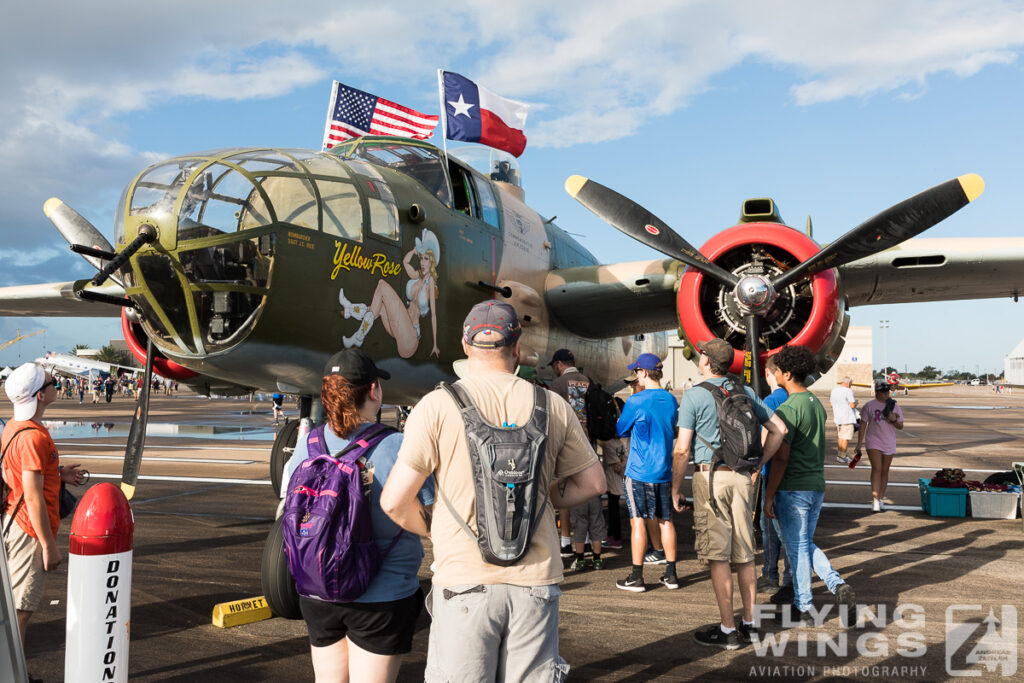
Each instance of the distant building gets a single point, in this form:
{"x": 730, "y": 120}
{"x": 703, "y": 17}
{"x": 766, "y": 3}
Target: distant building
{"x": 854, "y": 360}
{"x": 1013, "y": 365}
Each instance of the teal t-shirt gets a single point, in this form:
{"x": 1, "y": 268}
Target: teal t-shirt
{"x": 699, "y": 413}
{"x": 804, "y": 417}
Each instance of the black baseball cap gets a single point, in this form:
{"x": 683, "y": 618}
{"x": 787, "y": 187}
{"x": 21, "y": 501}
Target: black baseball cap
{"x": 883, "y": 386}
{"x": 497, "y": 320}
{"x": 355, "y": 366}
{"x": 564, "y": 355}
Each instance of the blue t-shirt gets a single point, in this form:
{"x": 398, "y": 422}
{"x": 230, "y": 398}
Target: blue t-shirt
{"x": 698, "y": 412}
{"x": 398, "y": 576}
{"x": 648, "y": 419}
{"x": 773, "y": 401}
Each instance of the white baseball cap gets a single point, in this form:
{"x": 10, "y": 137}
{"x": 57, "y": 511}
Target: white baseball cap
{"x": 22, "y": 386}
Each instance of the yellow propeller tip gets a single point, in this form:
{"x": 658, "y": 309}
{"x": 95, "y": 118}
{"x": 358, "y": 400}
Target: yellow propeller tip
{"x": 574, "y": 183}
{"x": 128, "y": 490}
{"x": 51, "y": 205}
{"x": 972, "y": 185}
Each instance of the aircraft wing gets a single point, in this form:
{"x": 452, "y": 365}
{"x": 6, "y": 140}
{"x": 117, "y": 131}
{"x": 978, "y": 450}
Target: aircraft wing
{"x": 58, "y": 299}
{"x": 602, "y": 301}
{"x": 940, "y": 269}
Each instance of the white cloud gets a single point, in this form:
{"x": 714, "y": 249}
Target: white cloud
{"x": 593, "y": 71}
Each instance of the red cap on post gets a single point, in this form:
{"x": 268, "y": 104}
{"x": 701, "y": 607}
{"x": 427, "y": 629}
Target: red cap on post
{"x": 103, "y": 523}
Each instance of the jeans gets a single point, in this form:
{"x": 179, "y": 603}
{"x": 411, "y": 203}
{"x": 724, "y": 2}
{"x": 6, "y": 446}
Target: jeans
{"x": 797, "y": 513}
{"x": 771, "y": 540}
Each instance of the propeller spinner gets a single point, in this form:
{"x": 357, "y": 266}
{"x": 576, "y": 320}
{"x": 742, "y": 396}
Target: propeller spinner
{"x": 756, "y": 296}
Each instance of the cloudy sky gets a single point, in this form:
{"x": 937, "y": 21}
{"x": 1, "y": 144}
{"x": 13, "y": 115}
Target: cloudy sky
{"x": 836, "y": 110}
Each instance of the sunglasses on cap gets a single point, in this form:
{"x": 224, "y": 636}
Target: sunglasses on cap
{"x": 49, "y": 383}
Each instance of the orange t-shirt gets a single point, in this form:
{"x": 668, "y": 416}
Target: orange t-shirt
{"x": 32, "y": 450}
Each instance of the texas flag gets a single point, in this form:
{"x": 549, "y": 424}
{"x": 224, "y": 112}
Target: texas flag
{"x": 475, "y": 114}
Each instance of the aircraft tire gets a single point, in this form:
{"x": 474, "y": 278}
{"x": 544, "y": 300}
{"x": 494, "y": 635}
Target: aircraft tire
{"x": 278, "y": 585}
{"x": 284, "y": 446}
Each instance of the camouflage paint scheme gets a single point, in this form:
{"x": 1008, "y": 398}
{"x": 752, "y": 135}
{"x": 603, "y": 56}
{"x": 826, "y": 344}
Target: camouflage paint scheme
{"x": 262, "y": 253}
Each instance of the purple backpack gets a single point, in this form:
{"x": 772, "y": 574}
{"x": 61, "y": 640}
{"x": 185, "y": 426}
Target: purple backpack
{"x": 328, "y": 532}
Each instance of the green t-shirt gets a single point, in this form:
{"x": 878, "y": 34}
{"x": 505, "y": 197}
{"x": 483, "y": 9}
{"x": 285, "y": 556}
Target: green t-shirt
{"x": 804, "y": 417}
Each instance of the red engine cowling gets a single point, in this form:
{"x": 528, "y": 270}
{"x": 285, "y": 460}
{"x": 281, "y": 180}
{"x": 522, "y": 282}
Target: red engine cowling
{"x": 810, "y": 313}
{"x": 165, "y": 367}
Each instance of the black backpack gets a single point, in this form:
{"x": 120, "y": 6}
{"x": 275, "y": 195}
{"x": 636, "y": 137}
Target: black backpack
{"x": 506, "y": 463}
{"x": 739, "y": 431}
{"x": 602, "y": 413}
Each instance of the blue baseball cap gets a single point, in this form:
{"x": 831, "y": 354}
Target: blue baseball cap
{"x": 646, "y": 361}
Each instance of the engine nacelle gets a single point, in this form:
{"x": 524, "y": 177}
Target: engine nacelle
{"x": 810, "y": 313}
{"x": 163, "y": 366}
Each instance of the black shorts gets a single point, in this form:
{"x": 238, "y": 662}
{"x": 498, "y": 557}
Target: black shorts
{"x": 383, "y": 628}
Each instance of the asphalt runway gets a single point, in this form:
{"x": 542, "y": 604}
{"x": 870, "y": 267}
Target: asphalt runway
{"x": 204, "y": 505}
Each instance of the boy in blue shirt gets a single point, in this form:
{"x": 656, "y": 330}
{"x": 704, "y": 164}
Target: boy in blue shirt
{"x": 649, "y": 419}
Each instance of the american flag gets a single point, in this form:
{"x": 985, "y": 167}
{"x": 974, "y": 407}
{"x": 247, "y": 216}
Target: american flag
{"x": 353, "y": 113}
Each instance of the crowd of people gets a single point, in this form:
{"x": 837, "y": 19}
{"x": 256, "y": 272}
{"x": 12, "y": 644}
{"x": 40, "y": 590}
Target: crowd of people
{"x": 497, "y": 566}
{"x": 494, "y": 620}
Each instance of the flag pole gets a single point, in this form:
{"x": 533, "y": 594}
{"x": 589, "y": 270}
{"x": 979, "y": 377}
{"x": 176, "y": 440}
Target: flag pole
{"x": 330, "y": 115}
{"x": 444, "y": 136}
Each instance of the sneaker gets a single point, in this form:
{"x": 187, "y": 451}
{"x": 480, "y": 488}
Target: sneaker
{"x": 876, "y": 505}
{"x": 598, "y": 563}
{"x": 881, "y": 505}
{"x": 669, "y": 582}
{"x": 845, "y": 459}
{"x": 567, "y": 550}
{"x": 796, "y": 619}
{"x": 578, "y": 565}
{"x": 655, "y": 557}
{"x": 713, "y": 636}
{"x": 846, "y": 596}
{"x": 764, "y": 584}
{"x": 629, "y": 583}
{"x": 613, "y": 543}
{"x": 747, "y": 634}
{"x": 783, "y": 596}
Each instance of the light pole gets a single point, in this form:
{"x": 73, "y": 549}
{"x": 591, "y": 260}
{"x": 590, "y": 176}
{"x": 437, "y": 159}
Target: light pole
{"x": 884, "y": 324}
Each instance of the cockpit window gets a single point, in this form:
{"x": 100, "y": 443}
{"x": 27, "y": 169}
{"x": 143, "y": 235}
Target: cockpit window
{"x": 421, "y": 163}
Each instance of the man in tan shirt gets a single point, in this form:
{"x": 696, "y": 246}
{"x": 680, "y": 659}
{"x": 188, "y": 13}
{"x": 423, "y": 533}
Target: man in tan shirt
{"x": 490, "y": 622}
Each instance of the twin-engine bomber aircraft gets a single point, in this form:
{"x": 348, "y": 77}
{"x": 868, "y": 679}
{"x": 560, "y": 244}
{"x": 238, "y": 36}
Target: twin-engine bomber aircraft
{"x": 245, "y": 269}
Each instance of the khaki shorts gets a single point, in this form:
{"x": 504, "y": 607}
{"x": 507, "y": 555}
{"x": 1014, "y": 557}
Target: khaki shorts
{"x": 25, "y": 565}
{"x": 845, "y": 432}
{"x": 729, "y": 535}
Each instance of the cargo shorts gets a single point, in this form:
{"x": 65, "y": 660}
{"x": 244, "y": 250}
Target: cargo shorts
{"x": 25, "y": 566}
{"x": 478, "y": 631}
{"x": 729, "y": 535}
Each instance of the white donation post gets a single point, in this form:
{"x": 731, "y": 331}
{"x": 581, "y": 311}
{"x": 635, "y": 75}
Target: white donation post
{"x": 99, "y": 587}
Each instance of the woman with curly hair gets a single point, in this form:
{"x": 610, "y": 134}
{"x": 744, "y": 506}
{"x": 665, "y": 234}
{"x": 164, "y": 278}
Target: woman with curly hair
{"x": 364, "y": 640}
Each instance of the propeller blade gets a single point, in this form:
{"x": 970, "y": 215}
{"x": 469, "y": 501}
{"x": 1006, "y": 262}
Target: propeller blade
{"x": 628, "y": 217}
{"x": 77, "y": 230}
{"x": 894, "y": 225}
{"x": 137, "y": 432}
{"x": 753, "y": 374}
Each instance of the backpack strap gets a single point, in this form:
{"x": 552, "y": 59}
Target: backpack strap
{"x": 716, "y": 459}
{"x": 22, "y": 498}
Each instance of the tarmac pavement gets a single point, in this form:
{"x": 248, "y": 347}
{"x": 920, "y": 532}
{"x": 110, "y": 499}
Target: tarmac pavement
{"x": 204, "y": 505}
